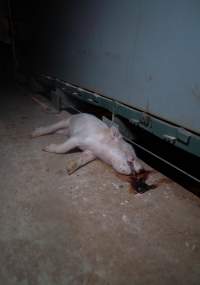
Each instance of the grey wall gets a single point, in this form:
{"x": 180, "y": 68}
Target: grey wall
{"x": 143, "y": 53}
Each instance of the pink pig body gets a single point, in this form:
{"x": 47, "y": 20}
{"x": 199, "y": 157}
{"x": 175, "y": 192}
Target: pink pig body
{"x": 96, "y": 140}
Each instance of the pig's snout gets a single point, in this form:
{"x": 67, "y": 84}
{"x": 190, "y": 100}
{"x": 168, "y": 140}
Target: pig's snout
{"x": 129, "y": 168}
{"x": 123, "y": 168}
{"x": 136, "y": 166}
{"x": 125, "y": 171}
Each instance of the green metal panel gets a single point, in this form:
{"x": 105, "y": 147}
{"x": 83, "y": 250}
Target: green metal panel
{"x": 174, "y": 134}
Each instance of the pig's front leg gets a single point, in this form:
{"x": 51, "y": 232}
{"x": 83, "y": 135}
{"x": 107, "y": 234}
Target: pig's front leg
{"x": 62, "y": 148}
{"x": 85, "y": 157}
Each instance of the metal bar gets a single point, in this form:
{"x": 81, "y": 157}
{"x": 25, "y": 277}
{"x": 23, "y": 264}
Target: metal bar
{"x": 165, "y": 161}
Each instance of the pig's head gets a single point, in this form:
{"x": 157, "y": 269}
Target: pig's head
{"x": 131, "y": 157}
{"x": 121, "y": 166}
{"x": 124, "y": 159}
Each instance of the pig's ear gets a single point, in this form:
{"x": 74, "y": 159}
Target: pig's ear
{"x": 115, "y": 132}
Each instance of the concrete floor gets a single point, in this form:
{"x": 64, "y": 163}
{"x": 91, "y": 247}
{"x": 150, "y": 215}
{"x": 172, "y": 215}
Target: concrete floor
{"x": 86, "y": 228}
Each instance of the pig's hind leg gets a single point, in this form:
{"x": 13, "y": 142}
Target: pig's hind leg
{"x": 62, "y": 132}
{"x": 60, "y": 126}
{"x": 62, "y": 148}
{"x": 85, "y": 157}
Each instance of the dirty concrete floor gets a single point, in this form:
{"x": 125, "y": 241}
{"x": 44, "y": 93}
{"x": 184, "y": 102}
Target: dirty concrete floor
{"x": 85, "y": 228}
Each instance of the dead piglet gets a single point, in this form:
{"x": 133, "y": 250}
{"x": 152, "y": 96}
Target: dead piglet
{"x": 96, "y": 140}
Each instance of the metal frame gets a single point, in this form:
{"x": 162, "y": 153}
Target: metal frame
{"x": 173, "y": 134}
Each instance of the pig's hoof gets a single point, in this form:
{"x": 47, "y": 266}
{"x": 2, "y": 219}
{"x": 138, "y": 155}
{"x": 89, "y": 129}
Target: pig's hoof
{"x": 72, "y": 167}
{"x": 50, "y": 148}
{"x": 36, "y": 133}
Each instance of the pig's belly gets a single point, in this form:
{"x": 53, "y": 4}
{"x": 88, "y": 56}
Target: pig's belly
{"x": 85, "y": 125}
